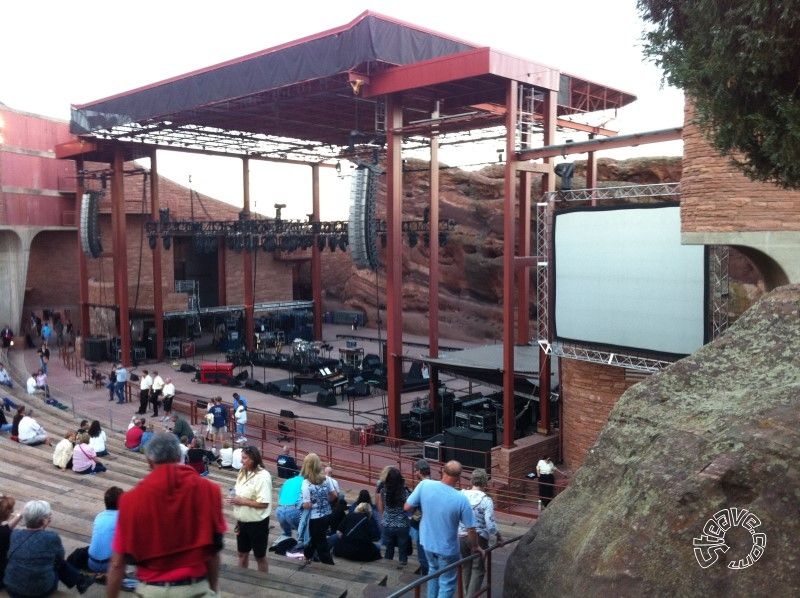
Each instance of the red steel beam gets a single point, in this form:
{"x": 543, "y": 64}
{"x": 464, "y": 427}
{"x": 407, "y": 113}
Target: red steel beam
{"x": 158, "y": 291}
{"x": 594, "y": 145}
{"x": 316, "y": 257}
{"x": 119, "y": 225}
{"x": 394, "y": 264}
{"x": 509, "y": 199}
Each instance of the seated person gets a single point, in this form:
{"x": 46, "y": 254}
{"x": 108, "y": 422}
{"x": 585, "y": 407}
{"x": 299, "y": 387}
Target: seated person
{"x": 62, "y": 454}
{"x": 84, "y": 457}
{"x": 198, "y": 458}
{"x": 30, "y": 432}
{"x": 30, "y": 384}
{"x": 146, "y": 436}
{"x": 5, "y": 379}
{"x": 184, "y": 446}
{"x": 98, "y": 439}
{"x": 105, "y": 523}
{"x": 133, "y": 437}
{"x": 353, "y": 539}
{"x": 236, "y": 459}
{"x": 180, "y": 427}
{"x": 287, "y": 466}
{"x": 5, "y": 425}
{"x": 15, "y": 422}
{"x": 225, "y": 458}
{"x": 41, "y": 383}
{"x": 288, "y": 511}
{"x": 36, "y": 557}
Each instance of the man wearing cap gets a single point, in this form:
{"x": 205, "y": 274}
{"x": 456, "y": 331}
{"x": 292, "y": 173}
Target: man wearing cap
{"x": 444, "y": 507}
{"x": 423, "y": 471}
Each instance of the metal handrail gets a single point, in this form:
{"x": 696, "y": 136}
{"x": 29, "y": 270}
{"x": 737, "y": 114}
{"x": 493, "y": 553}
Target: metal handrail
{"x": 487, "y": 589}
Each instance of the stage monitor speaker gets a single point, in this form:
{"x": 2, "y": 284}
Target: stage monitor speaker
{"x": 287, "y": 413}
{"x": 326, "y": 398}
{"x": 470, "y": 447}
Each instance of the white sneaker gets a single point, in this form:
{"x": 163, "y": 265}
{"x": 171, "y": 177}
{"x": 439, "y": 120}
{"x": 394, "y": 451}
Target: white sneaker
{"x": 241, "y": 440}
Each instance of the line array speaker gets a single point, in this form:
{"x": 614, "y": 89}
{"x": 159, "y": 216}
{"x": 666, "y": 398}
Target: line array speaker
{"x": 89, "y": 226}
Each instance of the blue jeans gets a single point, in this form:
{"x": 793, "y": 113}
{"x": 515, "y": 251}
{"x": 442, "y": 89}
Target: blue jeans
{"x": 413, "y": 532}
{"x": 443, "y": 586}
{"x": 395, "y": 536}
{"x": 288, "y": 518}
{"x": 119, "y": 390}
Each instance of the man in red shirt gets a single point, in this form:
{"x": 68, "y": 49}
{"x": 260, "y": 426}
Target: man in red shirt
{"x": 182, "y": 557}
{"x": 133, "y": 437}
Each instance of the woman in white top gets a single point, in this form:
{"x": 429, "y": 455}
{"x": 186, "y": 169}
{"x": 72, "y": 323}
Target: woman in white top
{"x": 545, "y": 470}
{"x": 252, "y": 505}
{"x": 97, "y": 439}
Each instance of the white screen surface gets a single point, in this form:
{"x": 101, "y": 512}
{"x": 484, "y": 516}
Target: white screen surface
{"x": 622, "y": 279}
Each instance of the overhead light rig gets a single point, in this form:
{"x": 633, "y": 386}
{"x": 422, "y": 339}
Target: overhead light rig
{"x": 277, "y": 235}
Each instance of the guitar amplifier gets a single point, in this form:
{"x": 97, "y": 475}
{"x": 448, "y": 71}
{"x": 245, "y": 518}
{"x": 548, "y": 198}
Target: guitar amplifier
{"x": 461, "y": 419}
{"x": 485, "y": 421}
{"x": 433, "y": 449}
{"x": 418, "y": 429}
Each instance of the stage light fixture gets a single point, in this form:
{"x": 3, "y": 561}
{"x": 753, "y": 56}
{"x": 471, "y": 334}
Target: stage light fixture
{"x": 412, "y": 239}
{"x": 152, "y": 241}
{"x": 343, "y": 242}
{"x": 321, "y": 242}
{"x": 167, "y": 242}
{"x": 332, "y": 243}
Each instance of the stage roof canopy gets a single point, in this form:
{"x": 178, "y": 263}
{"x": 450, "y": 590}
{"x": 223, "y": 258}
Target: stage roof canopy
{"x": 321, "y": 98}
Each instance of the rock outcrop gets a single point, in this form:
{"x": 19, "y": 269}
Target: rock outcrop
{"x": 471, "y": 262}
{"x": 716, "y": 431}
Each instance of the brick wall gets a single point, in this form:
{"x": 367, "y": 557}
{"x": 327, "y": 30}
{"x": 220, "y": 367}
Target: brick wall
{"x": 52, "y": 281}
{"x": 588, "y": 392}
{"x": 715, "y": 197}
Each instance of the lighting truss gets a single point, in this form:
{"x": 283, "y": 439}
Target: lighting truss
{"x": 621, "y": 360}
{"x": 607, "y": 193}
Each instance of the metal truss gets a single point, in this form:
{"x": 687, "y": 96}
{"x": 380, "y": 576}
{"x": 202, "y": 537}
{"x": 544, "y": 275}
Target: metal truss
{"x": 632, "y": 362}
{"x": 272, "y": 306}
{"x": 719, "y": 295}
{"x": 606, "y": 193}
{"x": 718, "y": 256}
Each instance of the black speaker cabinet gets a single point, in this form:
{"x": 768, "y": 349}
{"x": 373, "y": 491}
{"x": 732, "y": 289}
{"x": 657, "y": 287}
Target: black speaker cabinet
{"x": 326, "y": 398}
{"x": 287, "y": 413}
{"x": 470, "y": 447}
{"x": 419, "y": 430}
{"x": 461, "y": 419}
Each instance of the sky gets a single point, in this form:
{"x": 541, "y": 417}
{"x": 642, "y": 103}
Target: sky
{"x": 54, "y": 54}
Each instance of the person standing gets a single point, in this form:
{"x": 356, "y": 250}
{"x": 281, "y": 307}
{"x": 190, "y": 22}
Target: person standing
{"x": 545, "y": 471}
{"x": 445, "y": 508}
{"x": 394, "y": 521}
{"x": 112, "y": 382}
{"x": 44, "y": 356}
{"x": 180, "y": 557}
{"x": 155, "y": 392}
{"x": 119, "y": 385}
{"x": 423, "y": 471}
{"x": 316, "y": 495}
{"x": 145, "y": 386}
{"x": 485, "y": 527}
{"x": 219, "y": 423}
{"x": 169, "y": 395}
{"x": 241, "y": 422}
{"x": 252, "y": 507}
{"x": 5, "y": 379}
{"x": 6, "y": 339}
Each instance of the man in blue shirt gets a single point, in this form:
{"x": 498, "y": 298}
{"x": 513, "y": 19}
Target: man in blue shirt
{"x": 105, "y": 524}
{"x": 220, "y": 415}
{"x": 444, "y": 508}
{"x": 122, "y": 381}
{"x": 237, "y": 399}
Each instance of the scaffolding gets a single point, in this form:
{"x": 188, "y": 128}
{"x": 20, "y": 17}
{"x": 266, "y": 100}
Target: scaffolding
{"x": 716, "y": 259}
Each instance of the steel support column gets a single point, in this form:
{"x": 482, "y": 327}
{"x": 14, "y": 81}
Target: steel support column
{"x": 548, "y": 184}
{"x": 394, "y": 262}
{"x": 524, "y": 249}
{"x": 119, "y": 225}
{"x": 247, "y": 263}
{"x": 509, "y": 200}
{"x": 316, "y": 256}
{"x": 222, "y": 271}
{"x": 158, "y": 289}
{"x": 433, "y": 266}
{"x": 85, "y": 328}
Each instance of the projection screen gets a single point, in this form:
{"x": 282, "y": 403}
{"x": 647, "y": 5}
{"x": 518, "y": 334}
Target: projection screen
{"x": 624, "y": 281}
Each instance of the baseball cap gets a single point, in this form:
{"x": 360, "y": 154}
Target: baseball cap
{"x": 422, "y": 465}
